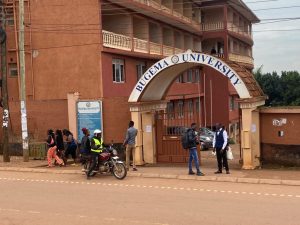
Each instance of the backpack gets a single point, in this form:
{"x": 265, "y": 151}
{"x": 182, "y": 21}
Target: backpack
{"x": 185, "y": 140}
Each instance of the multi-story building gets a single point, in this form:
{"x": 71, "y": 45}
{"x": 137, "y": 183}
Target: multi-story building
{"x": 101, "y": 48}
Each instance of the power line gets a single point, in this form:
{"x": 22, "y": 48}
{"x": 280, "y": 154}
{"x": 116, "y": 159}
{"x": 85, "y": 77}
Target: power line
{"x": 279, "y": 30}
{"x": 284, "y": 7}
{"x": 252, "y": 2}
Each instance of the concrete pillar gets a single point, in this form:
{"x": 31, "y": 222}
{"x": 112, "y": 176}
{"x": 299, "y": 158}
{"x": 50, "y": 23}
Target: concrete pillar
{"x": 255, "y": 131}
{"x": 136, "y": 117}
{"x": 246, "y": 138}
{"x": 250, "y": 140}
{"x": 72, "y": 112}
{"x": 149, "y": 140}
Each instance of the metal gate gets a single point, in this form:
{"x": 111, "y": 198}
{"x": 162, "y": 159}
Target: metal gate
{"x": 169, "y": 128}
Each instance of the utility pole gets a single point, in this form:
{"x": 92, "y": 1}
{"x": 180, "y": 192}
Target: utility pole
{"x": 22, "y": 81}
{"x": 5, "y": 147}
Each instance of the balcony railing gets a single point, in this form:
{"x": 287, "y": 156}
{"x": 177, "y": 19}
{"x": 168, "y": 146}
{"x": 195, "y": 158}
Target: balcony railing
{"x": 212, "y": 26}
{"x": 167, "y": 50}
{"x": 165, "y": 9}
{"x": 155, "y": 48}
{"x": 241, "y": 58}
{"x": 177, "y": 14}
{"x": 236, "y": 29}
{"x": 119, "y": 41}
{"x": 140, "y": 45}
{"x": 178, "y": 50}
{"x": 186, "y": 19}
{"x": 122, "y": 42}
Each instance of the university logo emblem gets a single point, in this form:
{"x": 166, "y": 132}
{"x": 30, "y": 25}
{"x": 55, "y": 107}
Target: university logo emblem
{"x": 175, "y": 59}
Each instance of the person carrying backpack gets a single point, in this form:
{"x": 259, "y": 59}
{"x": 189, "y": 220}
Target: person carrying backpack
{"x": 192, "y": 147}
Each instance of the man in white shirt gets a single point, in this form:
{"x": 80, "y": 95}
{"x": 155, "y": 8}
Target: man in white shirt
{"x": 220, "y": 146}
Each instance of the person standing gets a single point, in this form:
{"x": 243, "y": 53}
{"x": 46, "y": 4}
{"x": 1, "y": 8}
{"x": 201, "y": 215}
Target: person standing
{"x": 193, "y": 155}
{"x": 85, "y": 147}
{"x": 219, "y": 146}
{"x": 71, "y": 146}
{"x": 52, "y": 150}
{"x": 129, "y": 142}
{"x": 59, "y": 144}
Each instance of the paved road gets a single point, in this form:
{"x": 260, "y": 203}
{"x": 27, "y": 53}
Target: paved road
{"x": 42, "y": 199}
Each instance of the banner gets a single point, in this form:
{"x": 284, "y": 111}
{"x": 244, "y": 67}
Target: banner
{"x": 89, "y": 115}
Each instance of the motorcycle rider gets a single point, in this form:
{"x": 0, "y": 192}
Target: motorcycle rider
{"x": 96, "y": 149}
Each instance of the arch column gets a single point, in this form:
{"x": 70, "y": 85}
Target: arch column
{"x": 250, "y": 136}
{"x": 143, "y": 116}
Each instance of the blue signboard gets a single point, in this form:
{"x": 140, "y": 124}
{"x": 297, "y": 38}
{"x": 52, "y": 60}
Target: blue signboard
{"x": 89, "y": 115}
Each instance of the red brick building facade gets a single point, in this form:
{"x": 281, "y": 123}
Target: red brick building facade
{"x": 101, "y": 48}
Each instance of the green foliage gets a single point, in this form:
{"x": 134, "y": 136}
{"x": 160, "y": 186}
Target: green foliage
{"x": 282, "y": 90}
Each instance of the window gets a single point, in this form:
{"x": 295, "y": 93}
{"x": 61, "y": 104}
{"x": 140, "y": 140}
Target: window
{"x": 9, "y": 16}
{"x": 197, "y": 76}
{"x": 140, "y": 69}
{"x": 190, "y": 107}
{"x": 180, "y": 109}
{"x": 189, "y": 77}
{"x": 13, "y": 69}
{"x": 118, "y": 71}
{"x": 180, "y": 78}
{"x": 198, "y": 106}
{"x": 170, "y": 110}
{"x": 231, "y": 103}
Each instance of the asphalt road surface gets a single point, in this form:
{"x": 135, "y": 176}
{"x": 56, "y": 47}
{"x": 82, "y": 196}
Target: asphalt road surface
{"x": 44, "y": 199}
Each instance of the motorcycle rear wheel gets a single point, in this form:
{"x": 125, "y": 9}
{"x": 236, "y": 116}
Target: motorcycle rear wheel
{"x": 119, "y": 171}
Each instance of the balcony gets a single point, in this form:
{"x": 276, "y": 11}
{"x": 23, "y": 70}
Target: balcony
{"x": 123, "y": 42}
{"x": 181, "y": 20}
{"x": 140, "y": 45}
{"x": 241, "y": 58}
{"x": 234, "y": 28}
{"x": 155, "y": 49}
{"x": 119, "y": 41}
{"x": 212, "y": 26}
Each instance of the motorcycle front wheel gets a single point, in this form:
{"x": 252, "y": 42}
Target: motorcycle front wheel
{"x": 119, "y": 171}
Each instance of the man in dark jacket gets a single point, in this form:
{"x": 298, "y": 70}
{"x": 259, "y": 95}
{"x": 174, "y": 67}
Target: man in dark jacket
{"x": 220, "y": 146}
{"x": 193, "y": 142}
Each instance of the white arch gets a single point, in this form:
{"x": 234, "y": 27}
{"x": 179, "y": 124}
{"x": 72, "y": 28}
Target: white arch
{"x": 156, "y": 80}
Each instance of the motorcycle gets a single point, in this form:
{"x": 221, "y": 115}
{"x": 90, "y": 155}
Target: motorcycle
{"x": 108, "y": 162}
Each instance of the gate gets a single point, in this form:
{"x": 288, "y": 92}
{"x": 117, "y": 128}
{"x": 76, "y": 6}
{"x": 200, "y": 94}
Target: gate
{"x": 169, "y": 129}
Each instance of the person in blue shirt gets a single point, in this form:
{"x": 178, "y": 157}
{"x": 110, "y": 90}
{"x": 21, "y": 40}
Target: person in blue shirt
{"x": 129, "y": 142}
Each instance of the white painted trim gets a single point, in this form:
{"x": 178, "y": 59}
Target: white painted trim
{"x": 183, "y": 58}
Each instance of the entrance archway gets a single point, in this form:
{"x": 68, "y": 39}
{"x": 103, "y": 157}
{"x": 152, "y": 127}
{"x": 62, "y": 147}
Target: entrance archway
{"x": 148, "y": 96}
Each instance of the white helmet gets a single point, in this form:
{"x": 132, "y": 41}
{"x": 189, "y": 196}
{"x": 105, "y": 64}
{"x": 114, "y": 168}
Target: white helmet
{"x": 97, "y": 131}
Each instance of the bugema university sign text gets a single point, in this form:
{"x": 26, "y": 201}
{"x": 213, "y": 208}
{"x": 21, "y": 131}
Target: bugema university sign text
{"x": 189, "y": 57}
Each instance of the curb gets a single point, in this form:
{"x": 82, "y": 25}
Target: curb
{"x": 169, "y": 176}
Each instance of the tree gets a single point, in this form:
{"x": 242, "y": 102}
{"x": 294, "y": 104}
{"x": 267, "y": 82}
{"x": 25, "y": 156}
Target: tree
{"x": 283, "y": 90}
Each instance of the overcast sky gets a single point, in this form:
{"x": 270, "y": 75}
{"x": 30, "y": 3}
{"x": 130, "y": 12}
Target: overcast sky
{"x": 276, "y": 50}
